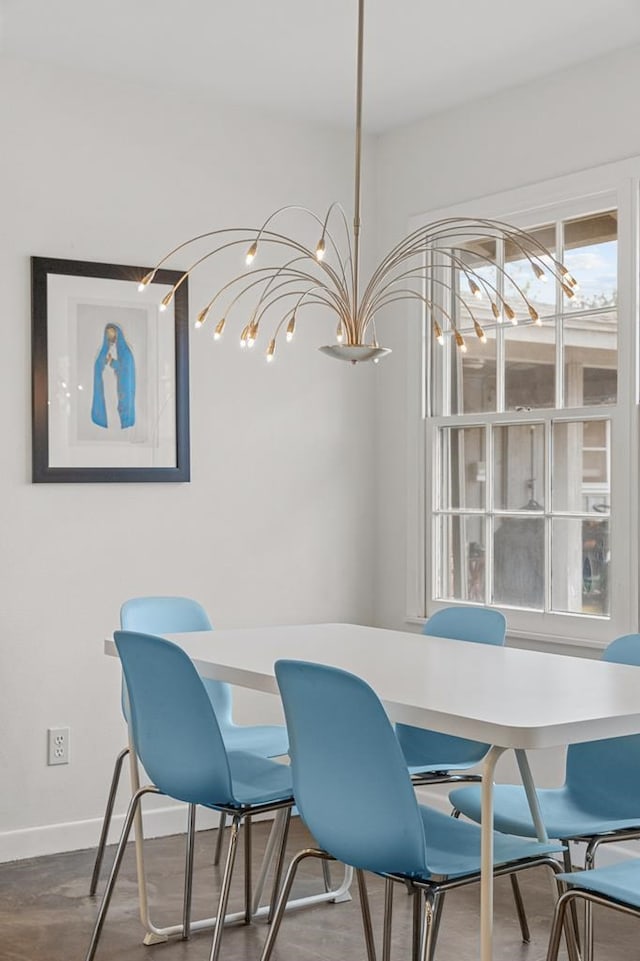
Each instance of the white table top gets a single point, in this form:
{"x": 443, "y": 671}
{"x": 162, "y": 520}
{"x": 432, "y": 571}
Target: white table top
{"x": 503, "y": 696}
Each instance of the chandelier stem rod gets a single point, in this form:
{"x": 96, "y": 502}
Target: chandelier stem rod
{"x": 358, "y": 159}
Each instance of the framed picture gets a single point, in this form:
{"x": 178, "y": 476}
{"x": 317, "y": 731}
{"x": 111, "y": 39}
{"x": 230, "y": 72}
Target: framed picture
{"x": 110, "y": 374}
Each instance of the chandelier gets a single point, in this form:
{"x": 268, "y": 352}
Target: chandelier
{"x": 425, "y": 267}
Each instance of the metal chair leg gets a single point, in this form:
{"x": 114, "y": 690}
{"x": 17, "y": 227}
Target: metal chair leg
{"x": 520, "y": 911}
{"x": 416, "y": 926}
{"x": 274, "y": 927}
{"x": 106, "y": 821}
{"x": 557, "y": 926}
{"x": 224, "y": 890}
{"x": 188, "y": 872}
{"x": 438, "y": 904}
{"x": 279, "y": 866}
{"x": 247, "y": 870}
{"x": 122, "y": 843}
{"x": 426, "y": 944}
{"x": 568, "y": 867}
{"x": 326, "y": 875}
{"x": 221, "y": 826}
{"x": 388, "y": 920}
{"x": 366, "y": 915}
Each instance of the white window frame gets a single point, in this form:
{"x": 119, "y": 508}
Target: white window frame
{"x": 613, "y": 185}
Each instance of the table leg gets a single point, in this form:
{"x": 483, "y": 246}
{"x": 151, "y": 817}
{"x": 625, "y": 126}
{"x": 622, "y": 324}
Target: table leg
{"x": 532, "y": 797}
{"x": 486, "y": 854}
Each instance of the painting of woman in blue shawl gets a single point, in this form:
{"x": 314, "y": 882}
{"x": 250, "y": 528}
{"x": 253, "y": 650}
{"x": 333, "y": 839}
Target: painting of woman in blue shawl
{"x": 114, "y": 361}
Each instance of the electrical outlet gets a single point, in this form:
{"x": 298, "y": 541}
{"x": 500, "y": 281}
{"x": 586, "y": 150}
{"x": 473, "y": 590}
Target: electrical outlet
{"x": 58, "y": 745}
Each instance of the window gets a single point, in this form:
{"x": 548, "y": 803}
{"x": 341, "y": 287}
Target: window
{"x": 528, "y": 438}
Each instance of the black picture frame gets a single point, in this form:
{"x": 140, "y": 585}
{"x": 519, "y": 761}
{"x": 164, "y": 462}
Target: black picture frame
{"x": 59, "y": 317}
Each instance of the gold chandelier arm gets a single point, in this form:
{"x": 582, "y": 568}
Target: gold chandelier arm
{"x": 290, "y": 293}
{"x": 427, "y": 238}
{"x": 254, "y": 282}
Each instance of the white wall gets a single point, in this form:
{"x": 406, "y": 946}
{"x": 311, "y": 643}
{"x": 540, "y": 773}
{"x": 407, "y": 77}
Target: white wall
{"x": 568, "y": 122}
{"x": 275, "y": 526}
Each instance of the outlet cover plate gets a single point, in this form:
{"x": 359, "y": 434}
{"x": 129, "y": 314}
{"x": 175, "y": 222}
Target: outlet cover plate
{"x": 58, "y": 745}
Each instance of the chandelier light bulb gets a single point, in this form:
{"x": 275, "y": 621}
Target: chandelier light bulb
{"x": 475, "y": 290}
{"x": 510, "y": 314}
{"x": 480, "y": 334}
{"x": 339, "y": 333}
{"x": 251, "y": 253}
{"x": 291, "y": 328}
{"x": 146, "y": 280}
{"x": 271, "y": 349}
{"x": 166, "y": 300}
{"x": 437, "y": 333}
{"x": 200, "y": 319}
{"x": 219, "y": 329}
{"x": 539, "y": 272}
{"x": 320, "y": 249}
{"x": 459, "y": 340}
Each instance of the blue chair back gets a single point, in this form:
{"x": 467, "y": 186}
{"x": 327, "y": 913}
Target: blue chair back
{"x": 350, "y": 780}
{"x": 484, "y": 625}
{"x": 608, "y": 771}
{"x": 175, "y": 615}
{"x": 175, "y": 731}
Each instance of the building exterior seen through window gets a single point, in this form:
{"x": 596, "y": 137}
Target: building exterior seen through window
{"x": 521, "y": 434}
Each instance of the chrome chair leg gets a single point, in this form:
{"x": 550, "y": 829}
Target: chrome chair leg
{"x": 568, "y": 867}
{"x": 520, "y": 911}
{"x": 366, "y": 915}
{"x": 221, "y": 826}
{"x": 438, "y": 904}
{"x": 416, "y": 926}
{"x": 283, "y": 897}
{"x": 279, "y": 866}
{"x": 224, "y": 889}
{"x": 115, "y": 868}
{"x": 247, "y": 870}
{"x": 426, "y": 944}
{"x": 326, "y": 875}
{"x": 388, "y": 920}
{"x": 106, "y": 821}
{"x": 188, "y": 872}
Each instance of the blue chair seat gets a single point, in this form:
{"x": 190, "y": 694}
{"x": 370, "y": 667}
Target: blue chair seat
{"x": 565, "y": 813}
{"x": 454, "y": 845}
{"x": 620, "y": 882}
{"x": 269, "y": 740}
{"x": 257, "y": 780}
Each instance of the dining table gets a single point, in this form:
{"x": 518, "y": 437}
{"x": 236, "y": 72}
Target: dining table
{"x": 510, "y": 698}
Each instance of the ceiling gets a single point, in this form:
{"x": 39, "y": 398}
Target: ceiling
{"x": 299, "y": 57}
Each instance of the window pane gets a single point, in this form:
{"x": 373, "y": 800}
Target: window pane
{"x": 591, "y": 256}
{"x": 580, "y": 475}
{"x": 518, "y": 467}
{"x": 463, "y": 468}
{"x": 530, "y": 372}
{"x": 521, "y": 280}
{"x": 476, "y": 376}
{"x": 580, "y": 565}
{"x": 473, "y": 380}
{"x": 461, "y": 561}
{"x": 518, "y": 562}
{"x": 591, "y": 321}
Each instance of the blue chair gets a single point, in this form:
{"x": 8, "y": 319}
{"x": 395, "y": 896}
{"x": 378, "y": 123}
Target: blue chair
{"x": 616, "y": 886}
{"x": 599, "y": 801}
{"x": 435, "y": 758}
{"x": 178, "y": 739}
{"x": 354, "y": 793}
{"x": 180, "y": 615}
{"x": 430, "y": 755}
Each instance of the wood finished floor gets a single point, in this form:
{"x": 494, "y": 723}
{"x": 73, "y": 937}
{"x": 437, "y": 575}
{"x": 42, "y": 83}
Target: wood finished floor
{"x": 47, "y": 915}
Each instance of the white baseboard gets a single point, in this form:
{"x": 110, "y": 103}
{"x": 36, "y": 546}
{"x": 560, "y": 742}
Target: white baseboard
{"x": 78, "y": 835}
